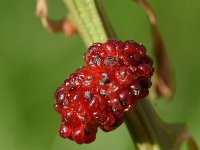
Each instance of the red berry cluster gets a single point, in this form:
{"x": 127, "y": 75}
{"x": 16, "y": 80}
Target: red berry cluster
{"x": 116, "y": 75}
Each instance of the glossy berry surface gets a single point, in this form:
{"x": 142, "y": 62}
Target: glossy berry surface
{"x": 117, "y": 74}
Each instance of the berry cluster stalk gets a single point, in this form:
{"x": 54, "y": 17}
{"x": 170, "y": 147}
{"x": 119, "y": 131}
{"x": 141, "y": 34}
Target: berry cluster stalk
{"x": 147, "y": 130}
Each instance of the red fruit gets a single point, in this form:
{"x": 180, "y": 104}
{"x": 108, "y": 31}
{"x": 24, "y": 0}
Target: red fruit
{"x": 145, "y": 69}
{"x": 89, "y": 135}
{"x": 124, "y": 75}
{"x": 108, "y": 124}
{"x": 116, "y": 75}
{"x": 64, "y": 130}
{"x": 78, "y": 134}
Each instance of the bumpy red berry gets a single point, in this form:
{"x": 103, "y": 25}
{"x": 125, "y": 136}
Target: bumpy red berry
{"x": 116, "y": 75}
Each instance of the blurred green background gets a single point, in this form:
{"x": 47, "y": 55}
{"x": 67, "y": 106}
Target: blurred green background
{"x": 34, "y": 62}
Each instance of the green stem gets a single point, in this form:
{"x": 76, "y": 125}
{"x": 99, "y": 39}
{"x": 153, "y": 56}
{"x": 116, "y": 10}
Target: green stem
{"x": 147, "y": 130}
{"x": 151, "y": 133}
{"x": 86, "y": 18}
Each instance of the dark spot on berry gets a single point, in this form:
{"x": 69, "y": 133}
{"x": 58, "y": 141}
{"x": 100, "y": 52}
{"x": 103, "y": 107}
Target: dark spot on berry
{"x": 88, "y": 95}
{"x": 103, "y": 92}
{"x": 105, "y": 78}
{"x": 86, "y": 131}
{"x": 123, "y": 103}
{"x": 96, "y": 60}
{"x": 147, "y": 60}
{"x": 110, "y": 62}
{"x": 74, "y": 81}
{"x": 145, "y": 83}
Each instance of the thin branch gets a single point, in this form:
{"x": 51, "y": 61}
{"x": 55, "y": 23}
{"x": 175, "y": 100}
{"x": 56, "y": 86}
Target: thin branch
{"x": 65, "y": 25}
{"x": 163, "y": 77}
